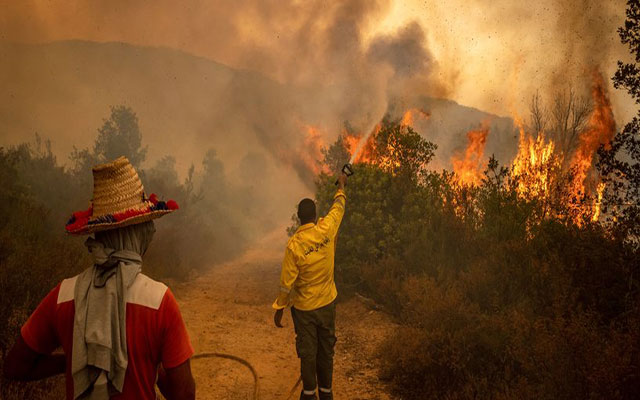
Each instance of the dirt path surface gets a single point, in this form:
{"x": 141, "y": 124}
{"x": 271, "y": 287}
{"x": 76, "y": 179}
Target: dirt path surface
{"x": 228, "y": 310}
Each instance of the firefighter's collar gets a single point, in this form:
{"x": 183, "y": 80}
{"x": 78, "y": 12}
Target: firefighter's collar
{"x": 305, "y": 226}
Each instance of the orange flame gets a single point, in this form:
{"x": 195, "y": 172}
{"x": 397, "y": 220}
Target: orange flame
{"x": 537, "y": 164}
{"x": 602, "y": 128}
{"x": 351, "y": 142}
{"x": 362, "y": 152}
{"x": 468, "y": 170}
{"x": 598, "y": 202}
{"x": 534, "y": 165}
{"x": 365, "y": 152}
{"x": 410, "y": 115}
{"x": 311, "y": 151}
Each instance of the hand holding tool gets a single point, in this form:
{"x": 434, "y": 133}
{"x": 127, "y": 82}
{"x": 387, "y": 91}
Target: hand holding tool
{"x": 347, "y": 170}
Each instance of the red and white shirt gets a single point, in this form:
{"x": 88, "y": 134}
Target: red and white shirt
{"x": 156, "y": 333}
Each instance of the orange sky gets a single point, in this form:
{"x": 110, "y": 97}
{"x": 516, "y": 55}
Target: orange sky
{"x": 490, "y": 54}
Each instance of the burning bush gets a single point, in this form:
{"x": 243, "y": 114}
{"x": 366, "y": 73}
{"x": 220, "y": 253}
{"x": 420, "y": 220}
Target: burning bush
{"x": 498, "y": 293}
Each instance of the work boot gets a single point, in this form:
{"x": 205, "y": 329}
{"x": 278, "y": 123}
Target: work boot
{"x": 325, "y": 395}
{"x": 307, "y": 396}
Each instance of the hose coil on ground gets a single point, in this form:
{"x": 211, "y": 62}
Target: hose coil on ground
{"x": 256, "y": 386}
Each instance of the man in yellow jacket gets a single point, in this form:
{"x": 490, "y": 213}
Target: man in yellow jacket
{"x": 308, "y": 287}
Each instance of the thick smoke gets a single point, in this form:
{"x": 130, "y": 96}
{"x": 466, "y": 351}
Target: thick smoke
{"x": 327, "y": 69}
{"x": 305, "y": 65}
{"x": 325, "y": 63}
{"x": 491, "y": 52}
{"x": 404, "y": 52}
{"x": 507, "y": 50}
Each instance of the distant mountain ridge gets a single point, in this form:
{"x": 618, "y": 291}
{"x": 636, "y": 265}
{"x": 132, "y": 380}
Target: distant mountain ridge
{"x": 185, "y": 103}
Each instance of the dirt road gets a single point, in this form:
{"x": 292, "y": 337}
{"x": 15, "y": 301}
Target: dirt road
{"x": 228, "y": 310}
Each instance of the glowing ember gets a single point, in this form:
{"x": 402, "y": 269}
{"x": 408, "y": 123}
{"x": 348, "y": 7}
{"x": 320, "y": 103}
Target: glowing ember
{"x": 597, "y": 202}
{"x": 468, "y": 168}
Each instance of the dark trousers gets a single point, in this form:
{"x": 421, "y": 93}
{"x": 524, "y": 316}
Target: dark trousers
{"x": 315, "y": 339}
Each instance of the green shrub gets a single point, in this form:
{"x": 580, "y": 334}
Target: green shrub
{"x": 37, "y": 195}
{"x": 35, "y": 255}
{"x": 496, "y": 296}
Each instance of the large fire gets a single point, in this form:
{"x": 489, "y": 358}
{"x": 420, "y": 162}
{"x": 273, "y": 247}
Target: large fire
{"x": 468, "y": 167}
{"x": 538, "y": 164}
{"x": 540, "y": 169}
{"x": 535, "y": 165}
{"x": 602, "y": 128}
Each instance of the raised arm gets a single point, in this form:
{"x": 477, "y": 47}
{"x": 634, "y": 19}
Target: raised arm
{"x": 331, "y": 222}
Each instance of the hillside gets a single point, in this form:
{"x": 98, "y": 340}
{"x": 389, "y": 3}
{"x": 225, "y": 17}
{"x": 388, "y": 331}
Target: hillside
{"x": 185, "y": 104}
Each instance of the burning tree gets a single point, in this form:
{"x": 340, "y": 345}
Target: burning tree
{"x": 489, "y": 280}
{"x": 469, "y": 167}
{"x": 494, "y": 271}
{"x": 556, "y": 152}
{"x": 392, "y": 163}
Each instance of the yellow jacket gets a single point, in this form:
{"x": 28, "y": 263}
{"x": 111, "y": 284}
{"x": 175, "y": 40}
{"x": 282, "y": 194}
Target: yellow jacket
{"x": 306, "y": 281}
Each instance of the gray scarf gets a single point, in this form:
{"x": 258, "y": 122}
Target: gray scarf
{"x": 99, "y": 357}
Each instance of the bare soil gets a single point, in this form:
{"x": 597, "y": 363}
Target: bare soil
{"x": 228, "y": 310}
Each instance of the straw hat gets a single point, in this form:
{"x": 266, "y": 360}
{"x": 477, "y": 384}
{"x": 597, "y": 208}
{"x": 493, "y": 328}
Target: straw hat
{"x": 118, "y": 200}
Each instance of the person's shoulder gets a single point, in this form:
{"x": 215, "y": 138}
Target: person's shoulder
{"x": 66, "y": 289}
{"x": 146, "y": 292}
{"x": 298, "y": 240}
{"x": 292, "y": 240}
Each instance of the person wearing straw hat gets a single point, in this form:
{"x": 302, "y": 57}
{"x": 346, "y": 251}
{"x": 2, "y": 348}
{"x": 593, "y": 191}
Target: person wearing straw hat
{"x": 120, "y": 331}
